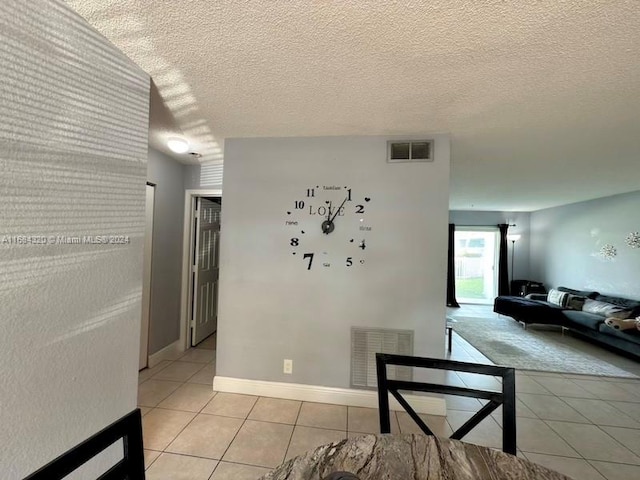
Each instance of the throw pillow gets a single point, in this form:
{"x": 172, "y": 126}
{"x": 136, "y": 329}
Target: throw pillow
{"x": 621, "y": 324}
{"x": 575, "y": 302}
{"x": 581, "y": 293}
{"x": 557, "y": 297}
{"x": 605, "y": 309}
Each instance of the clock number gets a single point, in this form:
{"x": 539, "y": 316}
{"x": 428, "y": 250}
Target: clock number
{"x": 349, "y": 195}
{"x": 299, "y": 204}
{"x": 294, "y": 242}
{"x": 349, "y": 261}
{"x": 310, "y": 257}
{"x": 359, "y": 208}
{"x": 311, "y": 192}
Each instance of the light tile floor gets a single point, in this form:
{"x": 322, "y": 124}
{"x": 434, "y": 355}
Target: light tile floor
{"x": 585, "y": 427}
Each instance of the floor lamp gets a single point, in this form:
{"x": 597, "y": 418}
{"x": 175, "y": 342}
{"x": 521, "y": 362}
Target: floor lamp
{"x": 513, "y": 239}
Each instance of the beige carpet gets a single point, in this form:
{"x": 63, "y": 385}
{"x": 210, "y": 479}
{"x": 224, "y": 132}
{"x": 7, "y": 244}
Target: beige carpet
{"x": 505, "y": 342}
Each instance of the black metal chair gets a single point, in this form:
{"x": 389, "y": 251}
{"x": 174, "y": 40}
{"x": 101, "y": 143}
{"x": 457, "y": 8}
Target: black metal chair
{"x": 506, "y": 398}
{"x": 131, "y": 467}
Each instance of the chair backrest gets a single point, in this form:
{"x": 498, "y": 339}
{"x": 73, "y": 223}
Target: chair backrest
{"x": 131, "y": 467}
{"x": 506, "y": 398}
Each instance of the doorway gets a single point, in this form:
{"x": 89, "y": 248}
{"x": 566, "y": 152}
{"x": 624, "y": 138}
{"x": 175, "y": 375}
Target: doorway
{"x": 476, "y": 256}
{"x": 143, "y": 359}
{"x": 204, "y": 282}
{"x": 201, "y": 255}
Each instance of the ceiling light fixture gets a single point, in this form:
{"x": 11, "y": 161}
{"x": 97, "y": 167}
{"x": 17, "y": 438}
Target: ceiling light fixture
{"x": 178, "y": 145}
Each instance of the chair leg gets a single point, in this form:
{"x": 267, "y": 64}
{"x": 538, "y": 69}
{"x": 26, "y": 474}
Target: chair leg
{"x": 383, "y": 397}
{"x": 509, "y": 412}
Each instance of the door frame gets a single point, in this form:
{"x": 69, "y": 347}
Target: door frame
{"x": 187, "y": 239}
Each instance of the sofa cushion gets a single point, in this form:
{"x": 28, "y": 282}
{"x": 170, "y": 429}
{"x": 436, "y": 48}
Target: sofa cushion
{"x": 628, "y": 335}
{"x": 585, "y": 319}
{"x": 529, "y": 311}
{"x": 580, "y": 293}
{"x": 556, "y": 297}
{"x": 605, "y": 309}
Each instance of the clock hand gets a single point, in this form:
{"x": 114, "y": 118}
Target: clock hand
{"x": 327, "y": 226}
{"x": 335, "y": 214}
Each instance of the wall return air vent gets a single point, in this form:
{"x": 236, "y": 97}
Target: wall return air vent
{"x": 410, "y": 151}
{"x": 366, "y": 342}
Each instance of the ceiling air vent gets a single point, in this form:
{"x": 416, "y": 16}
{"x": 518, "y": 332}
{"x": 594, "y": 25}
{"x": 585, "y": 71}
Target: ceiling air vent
{"x": 410, "y": 151}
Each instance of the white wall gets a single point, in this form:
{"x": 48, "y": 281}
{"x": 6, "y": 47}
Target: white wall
{"x": 166, "y": 264}
{"x": 73, "y": 147}
{"x": 272, "y": 307}
{"x": 565, "y": 242}
{"x": 521, "y": 269}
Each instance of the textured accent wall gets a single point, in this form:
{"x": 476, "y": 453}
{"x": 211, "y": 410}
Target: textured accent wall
{"x": 73, "y": 148}
{"x": 206, "y": 176}
{"x": 211, "y": 175}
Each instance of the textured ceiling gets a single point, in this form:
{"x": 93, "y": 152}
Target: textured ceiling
{"x": 542, "y": 100}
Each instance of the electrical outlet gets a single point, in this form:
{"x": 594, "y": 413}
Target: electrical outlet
{"x": 288, "y": 366}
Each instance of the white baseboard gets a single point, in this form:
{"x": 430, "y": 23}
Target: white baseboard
{"x": 316, "y": 393}
{"x": 173, "y": 351}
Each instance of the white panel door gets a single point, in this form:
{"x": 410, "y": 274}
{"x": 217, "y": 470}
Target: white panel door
{"x": 205, "y": 285}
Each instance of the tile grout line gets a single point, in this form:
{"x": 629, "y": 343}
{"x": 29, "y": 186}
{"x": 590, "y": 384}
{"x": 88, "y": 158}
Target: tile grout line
{"x": 164, "y": 450}
{"x": 147, "y": 379}
{"x": 589, "y": 422}
{"x": 244, "y": 421}
{"x": 215, "y": 394}
{"x": 295, "y": 424}
{"x": 589, "y": 460}
{"x": 598, "y": 400}
{"x": 582, "y": 456}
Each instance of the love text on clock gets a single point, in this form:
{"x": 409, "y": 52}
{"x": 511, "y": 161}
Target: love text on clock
{"x": 326, "y": 211}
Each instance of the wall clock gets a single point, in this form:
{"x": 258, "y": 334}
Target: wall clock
{"x": 327, "y": 226}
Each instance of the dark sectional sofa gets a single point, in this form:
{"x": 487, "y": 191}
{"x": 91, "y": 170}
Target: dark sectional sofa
{"x": 535, "y": 309}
